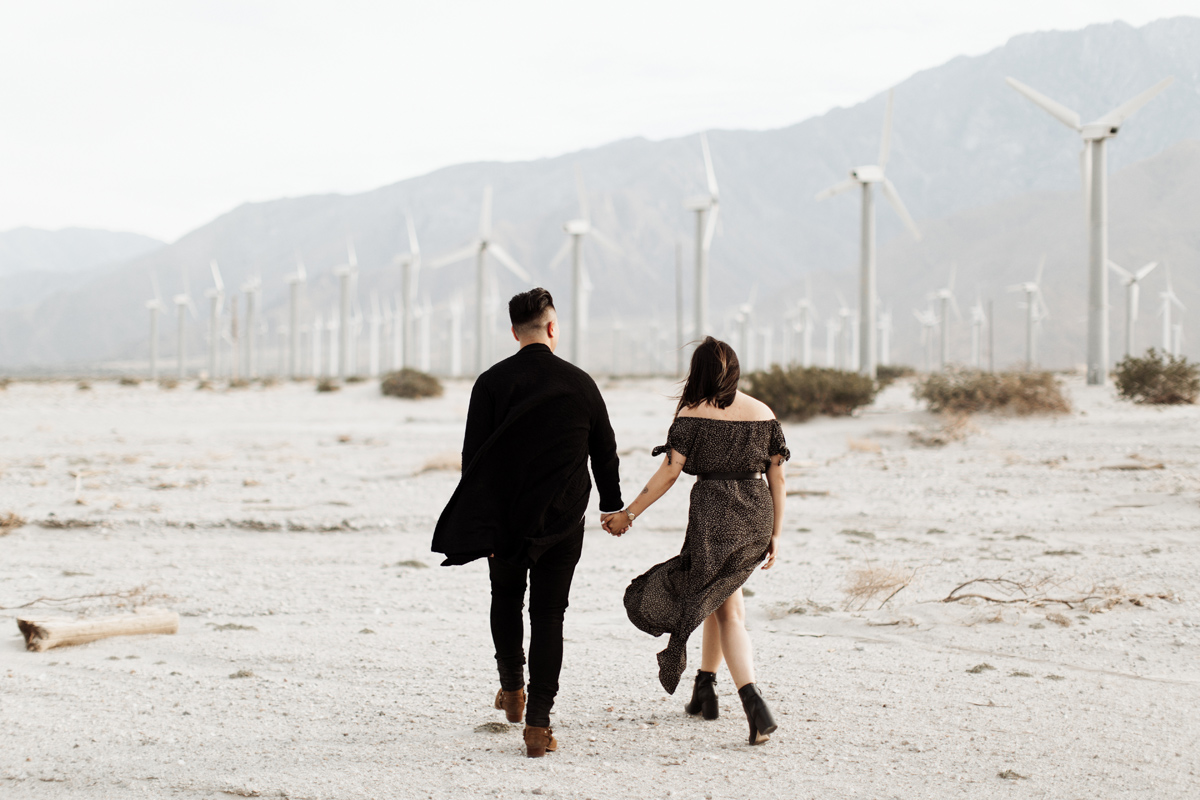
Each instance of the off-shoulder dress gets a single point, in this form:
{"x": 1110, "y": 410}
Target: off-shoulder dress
{"x": 728, "y": 532}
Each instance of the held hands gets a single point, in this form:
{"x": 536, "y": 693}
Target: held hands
{"x": 616, "y": 523}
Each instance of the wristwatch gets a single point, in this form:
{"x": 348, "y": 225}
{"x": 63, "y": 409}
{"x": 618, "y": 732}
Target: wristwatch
{"x": 632, "y": 516}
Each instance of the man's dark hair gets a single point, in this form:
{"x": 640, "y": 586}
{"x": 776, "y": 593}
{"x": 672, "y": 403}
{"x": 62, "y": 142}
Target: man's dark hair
{"x": 527, "y": 310}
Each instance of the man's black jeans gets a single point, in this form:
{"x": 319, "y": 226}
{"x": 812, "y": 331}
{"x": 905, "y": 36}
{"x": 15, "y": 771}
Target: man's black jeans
{"x": 549, "y": 587}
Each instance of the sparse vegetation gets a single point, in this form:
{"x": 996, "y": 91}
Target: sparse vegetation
{"x": 84, "y": 386}
{"x": 871, "y": 582}
{"x": 239, "y": 383}
{"x": 328, "y": 385}
{"x": 9, "y": 522}
{"x": 4, "y": 382}
{"x": 168, "y": 383}
{"x": 128, "y": 380}
{"x": 886, "y": 375}
{"x": 356, "y": 379}
{"x": 410, "y": 384}
{"x": 204, "y": 386}
{"x": 1158, "y": 379}
{"x": 801, "y": 393}
{"x": 971, "y": 391}
{"x": 269, "y": 382}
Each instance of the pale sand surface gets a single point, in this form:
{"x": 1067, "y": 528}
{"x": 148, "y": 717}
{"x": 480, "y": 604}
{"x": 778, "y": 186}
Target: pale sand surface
{"x": 371, "y": 679}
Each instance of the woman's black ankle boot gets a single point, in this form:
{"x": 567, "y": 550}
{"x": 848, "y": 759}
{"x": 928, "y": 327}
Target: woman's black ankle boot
{"x": 704, "y": 696}
{"x": 762, "y": 724}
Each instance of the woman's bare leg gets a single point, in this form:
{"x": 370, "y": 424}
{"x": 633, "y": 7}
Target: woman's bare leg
{"x": 735, "y": 642}
{"x": 711, "y": 655}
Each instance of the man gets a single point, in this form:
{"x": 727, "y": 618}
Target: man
{"x": 533, "y": 421}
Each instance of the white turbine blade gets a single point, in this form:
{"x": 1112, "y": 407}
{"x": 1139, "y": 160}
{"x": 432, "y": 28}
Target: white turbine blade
{"x": 351, "y": 256}
{"x": 154, "y": 283}
{"x": 710, "y": 174}
{"x": 485, "y": 216}
{"x": 413, "y": 246}
{"x": 504, "y": 258}
{"x": 1123, "y": 112}
{"x": 607, "y": 242}
{"x": 1055, "y": 109}
{"x": 710, "y": 225}
{"x": 562, "y": 253}
{"x": 954, "y": 308}
{"x": 1174, "y": 298}
{"x": 893, "y": 197}
{"x": 1041, "y": 303}
{"x": 885, "y": 144}
{"x": 953, "y": 274}
{"x": 461, "y": 254}
{"x": 1041, "y": 266}
{"x": 837, "y": 188}
{"x": 583, "y": 204}
{"x": 1117, "y": 268}
{"x": 216, "y": 273}
{"x": 1146, "y": 270}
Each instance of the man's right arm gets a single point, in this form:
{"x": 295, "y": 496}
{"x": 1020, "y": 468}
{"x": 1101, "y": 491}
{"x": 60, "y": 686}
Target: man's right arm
{"x": 480, "y": 422}
{"x": 602, "y": 448}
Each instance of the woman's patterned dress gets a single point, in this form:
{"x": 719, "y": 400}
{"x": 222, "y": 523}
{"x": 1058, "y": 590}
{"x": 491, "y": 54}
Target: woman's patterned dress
{"x": 729, "y": 530}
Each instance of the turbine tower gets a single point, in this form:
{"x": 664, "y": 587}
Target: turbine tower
{"x": 1095, "y": 182}
{"x": 410, "y": 270}
{"x": 1035, "y": 312}
{"x": 707, "y": 208}
{"x": 216, "y": 297}
{"x": 1132, "y": 290}
{"x": 978, "y": 321}
{"x": 155, "y": 307}
{"x": 945, "y": 298}
{"x": 864, "y": 177}
{"x": 929, "y": 322}
{"x": 808, "y": 323}
{"x": 345, "y": 274}
{"x": 253, "y": 291}
{"x": 885, "y": 338}
{"x": 295, "y": 283}
{"x": 183, "y": 301}
{"x": 581, "y": 283}
{"x": 1169, "y": 298}
{"x": 479, "y": 248}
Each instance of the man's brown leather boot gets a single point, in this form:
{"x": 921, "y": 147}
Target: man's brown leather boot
{"x": 539, "y": 741}
{"x": 512, "y": 704}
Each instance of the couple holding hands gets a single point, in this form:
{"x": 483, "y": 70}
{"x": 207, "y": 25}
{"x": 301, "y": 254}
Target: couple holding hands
{"x": 534, "y": 421}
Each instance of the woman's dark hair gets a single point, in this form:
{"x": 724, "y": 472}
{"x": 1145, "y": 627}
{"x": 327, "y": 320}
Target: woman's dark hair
{"x": 713, "y": 377}
{"x": 527, "y": 310}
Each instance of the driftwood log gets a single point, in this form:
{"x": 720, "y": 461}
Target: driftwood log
{"x": 47, "y": 632}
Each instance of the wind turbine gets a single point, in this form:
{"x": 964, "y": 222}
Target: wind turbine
{"x": 929, "y": 321}
{"x": 1132, "y": 290}
{"x": 216, "y": 297}
{"x": 1035, "y": 312}
{"x": 978, "y": 321}
{"x": 456, "y": 317}
{"x": 373, "y": 344}
{"x": 808, "y": 320}
{"x": 1169, "y": 298}
{"x": 410, "y": 270}
{"x": 479, "y": 248}
{"x": 1095, "y": 183}
{"x": 156, "y": 307}
{"x": 296, "y": 282}
{"x": 345, "y": 274}
{"x": 253, "y": 291}
{"x": 945, "y": 297}
{"x": 885, "y": 338}
{"x": 707, "y": 208}
{"x": 576, "y": 229}
{"x": 845, "y": 334}
{"x": 865, "y": 177}
{"x": 183, "y": 301}
{"x": 831, "y": 334}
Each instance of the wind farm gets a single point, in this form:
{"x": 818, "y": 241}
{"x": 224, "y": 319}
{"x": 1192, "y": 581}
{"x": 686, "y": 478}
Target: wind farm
{"x": 986, "y": 572}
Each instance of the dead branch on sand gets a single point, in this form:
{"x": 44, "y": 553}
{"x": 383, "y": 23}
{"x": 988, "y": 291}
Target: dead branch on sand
{"x": 134, "y": 597}
{"x": 1034, "y": 591}
{"x": 869, "y": 582}
{"x": 44, "y": 634}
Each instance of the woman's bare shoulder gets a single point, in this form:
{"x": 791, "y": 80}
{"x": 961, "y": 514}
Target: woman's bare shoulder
{"x": 755, "y": 409}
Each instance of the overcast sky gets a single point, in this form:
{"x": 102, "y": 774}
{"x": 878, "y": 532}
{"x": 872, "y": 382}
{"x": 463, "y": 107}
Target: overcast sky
{"x": 157, "y": 116}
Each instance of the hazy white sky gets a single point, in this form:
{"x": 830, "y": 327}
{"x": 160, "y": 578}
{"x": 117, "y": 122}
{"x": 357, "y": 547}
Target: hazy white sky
{"x": 157, "y": 116}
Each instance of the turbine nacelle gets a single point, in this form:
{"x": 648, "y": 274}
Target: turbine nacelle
{"x": 868, "y": 174}
{"x": 701, "y": 202}
{"x": 577, "y": 227}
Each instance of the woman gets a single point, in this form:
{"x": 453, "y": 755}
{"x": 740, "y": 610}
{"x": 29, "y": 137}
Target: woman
{"x": 727, "y": 439}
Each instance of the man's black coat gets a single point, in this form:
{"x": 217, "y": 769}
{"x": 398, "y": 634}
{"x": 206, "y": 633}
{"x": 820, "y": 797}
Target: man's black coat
{"x": 533, "y": 421}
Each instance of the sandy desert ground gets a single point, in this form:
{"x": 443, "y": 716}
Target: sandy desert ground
{"x": 291, "y": 531}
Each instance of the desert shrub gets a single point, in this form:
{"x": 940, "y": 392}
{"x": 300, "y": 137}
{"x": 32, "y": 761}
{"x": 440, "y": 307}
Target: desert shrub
{"x": 971, "y": 391}
{"x": 356, "y": 379}
{"x": 84, "y": 386}
{"x": 886, "y": 375}
{"x": 204, "y": 385}
{"x": 410, "y": 384}
{"x": 129, "y": 381}
{"x": 9, "y": 522}
{"x": 269, "y": 382}
{"x": 239, "y": 383}
{"x": 801, "y": 393}
{"x": 328, "y": 385}
{"x": 4, "y": 382}
{"x": 168, "y": 383}
{"x": 1158, "y": 379}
